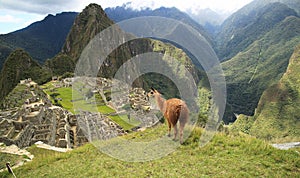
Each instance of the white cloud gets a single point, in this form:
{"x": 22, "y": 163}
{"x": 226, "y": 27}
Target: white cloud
{"x": 184, "y": 5}
{"x": 9, "y": 19}
{"x": 56, "y": 6}
{"x": 40, "y": 6}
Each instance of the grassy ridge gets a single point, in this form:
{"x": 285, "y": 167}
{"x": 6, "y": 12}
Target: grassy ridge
{"x": 225, "y": 156}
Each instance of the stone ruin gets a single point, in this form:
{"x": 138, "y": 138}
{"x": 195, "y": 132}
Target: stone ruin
{"x": 38, "y": 120}
{"x": 15, "y": 132}
{"x": 29, "y": 83}
{"x": 96, "y": 126}
{"x": 134, "y": 102}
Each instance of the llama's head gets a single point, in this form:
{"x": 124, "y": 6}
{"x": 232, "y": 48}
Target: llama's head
{"x": 153, "y": 93}
{"x": 155, "y": 99}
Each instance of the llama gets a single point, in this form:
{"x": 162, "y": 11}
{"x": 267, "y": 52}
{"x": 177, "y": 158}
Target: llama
{"x": 174, "y": 110}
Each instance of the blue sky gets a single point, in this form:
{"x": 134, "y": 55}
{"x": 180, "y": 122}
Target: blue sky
{"x": 17, "y": 14}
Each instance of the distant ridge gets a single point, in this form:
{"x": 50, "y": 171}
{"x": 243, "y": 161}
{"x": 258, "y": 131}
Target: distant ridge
{"x": 121, "y": 13}
{"x": 42, "y": 39}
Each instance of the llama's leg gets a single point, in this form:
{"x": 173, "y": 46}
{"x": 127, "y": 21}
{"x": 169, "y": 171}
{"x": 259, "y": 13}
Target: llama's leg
{"x": 175, "y": 131}
{"x": 181, "y": 127}
{"x": 169, "y": 129}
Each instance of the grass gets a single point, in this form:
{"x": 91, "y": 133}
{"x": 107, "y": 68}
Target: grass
{"x": 72, "y": 104}
{"x": 105, "y": 109}
{"x": 225, "y": 156}
{"x": 123, "y": 121}
{"x": 11, "y": 158}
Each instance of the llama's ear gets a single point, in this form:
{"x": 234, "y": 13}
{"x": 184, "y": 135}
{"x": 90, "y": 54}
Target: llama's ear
{"x": 152, "y": 89}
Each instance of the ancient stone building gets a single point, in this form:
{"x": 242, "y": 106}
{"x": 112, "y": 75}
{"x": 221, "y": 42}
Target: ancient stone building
{"x": 38, "y": 120}
{"x": 14, "y": 132}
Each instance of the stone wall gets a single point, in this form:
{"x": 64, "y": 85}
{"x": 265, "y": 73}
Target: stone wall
{"x": 96, "y": 126}
{"x": 14, "y": 132}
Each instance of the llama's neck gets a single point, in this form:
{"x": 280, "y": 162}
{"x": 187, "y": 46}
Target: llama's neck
{"x": 161, "y": 102}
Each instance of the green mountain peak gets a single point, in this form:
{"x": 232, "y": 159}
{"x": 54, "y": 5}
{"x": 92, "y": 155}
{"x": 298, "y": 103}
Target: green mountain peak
{"x": 91, "y": 21}
{"x": 18, "y": 66}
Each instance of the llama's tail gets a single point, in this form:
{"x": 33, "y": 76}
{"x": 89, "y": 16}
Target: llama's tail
{"x": 182, "y": 113}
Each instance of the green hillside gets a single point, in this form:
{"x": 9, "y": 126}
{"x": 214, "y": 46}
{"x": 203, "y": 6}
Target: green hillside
{"x": 19, "y": 66}
{"x": 241, "y": 29}
{"x": 225, "y": 156}
{"x": 260, "y": 65}
{"x": 4, "y": 53}
{"x": 278, "y": 112}
{"x": 60, "y": 64}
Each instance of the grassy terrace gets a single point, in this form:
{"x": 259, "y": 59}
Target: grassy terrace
{"x": 226, "y": 155}
{"x": 12, "y": 159}
{"x": 67, "y": 101}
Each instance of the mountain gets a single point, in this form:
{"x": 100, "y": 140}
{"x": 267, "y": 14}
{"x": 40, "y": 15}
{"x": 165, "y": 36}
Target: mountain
{"x": 208, "y": 16}
{"x": 4, "y": 53}
{"x": 121, "y": 13}
{"x": 60, "y": 64}
{"x": 209, "y": 19}
{"x": 278, "y": 113}
{"x": 90, "y": 22}
{"x": 245, "y": 26}
{"x": 293, "y": 4}
{"x": 19, "y": 66}
{"x": 42, "y": 40}
{"x": 261, "y": 65}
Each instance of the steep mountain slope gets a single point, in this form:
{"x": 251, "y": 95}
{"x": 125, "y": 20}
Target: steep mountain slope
{"x": 4, "y": 53}
{"x": 87, "y": 24}
{"x": 42, "y": 40}
{"x": 19, "y": 65}
{"x": 241, "y": 29}
{"x": 262, "y": 64}
{"x": 278, "y": 112}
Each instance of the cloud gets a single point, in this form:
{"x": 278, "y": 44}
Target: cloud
{"x": 40, "y": 6}
{"x": 184, "y": 5}
{"x": 57, "y": 6}
{"x": 9, "y": 19}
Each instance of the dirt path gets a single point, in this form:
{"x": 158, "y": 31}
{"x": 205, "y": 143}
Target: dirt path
{"x": 48, "y": 147}
{"x": 286, "y": 146}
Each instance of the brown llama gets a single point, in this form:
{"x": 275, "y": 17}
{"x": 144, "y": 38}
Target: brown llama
{"x": 174, "y": 110}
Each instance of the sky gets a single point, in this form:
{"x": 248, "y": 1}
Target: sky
{"x": 17, "y": 14}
